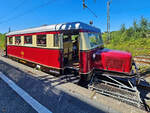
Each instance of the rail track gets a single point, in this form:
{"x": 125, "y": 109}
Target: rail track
{"x": 142, "y": 59}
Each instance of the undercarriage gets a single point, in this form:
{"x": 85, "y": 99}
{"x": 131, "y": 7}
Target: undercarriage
{"x": 120, "y": 87}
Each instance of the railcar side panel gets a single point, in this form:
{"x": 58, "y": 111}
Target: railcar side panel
{"x": 47, "y": 57}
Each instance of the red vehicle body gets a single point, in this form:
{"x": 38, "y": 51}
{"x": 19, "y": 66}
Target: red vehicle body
{"x": 55, "y": 58}
{"x": 44, "y": 59}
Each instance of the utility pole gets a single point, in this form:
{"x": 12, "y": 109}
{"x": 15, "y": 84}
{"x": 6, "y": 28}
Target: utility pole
{"x": 108, "y": 19}
{"x": 9, "y": 30}
{"x": 108, "y": 16}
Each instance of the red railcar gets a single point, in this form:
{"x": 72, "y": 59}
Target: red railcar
{"x": 77, "y": 46}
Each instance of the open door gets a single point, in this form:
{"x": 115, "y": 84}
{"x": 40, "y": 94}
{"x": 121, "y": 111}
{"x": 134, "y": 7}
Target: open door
{"x": 71, "y": 49}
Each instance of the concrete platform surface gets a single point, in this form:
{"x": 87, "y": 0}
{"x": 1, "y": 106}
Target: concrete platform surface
{"x": 10, "y": 102}
{"x": 58, "y": 95}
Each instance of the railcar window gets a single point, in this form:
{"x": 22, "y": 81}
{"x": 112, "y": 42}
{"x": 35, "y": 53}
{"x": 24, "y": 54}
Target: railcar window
{"x": 10, "y": 40}
{"x": 56, "y": 40}
{"x": 66, "y": 38}
{"x": 27, "y": 39}
{"x": 94, "y": 39}
{"x": 101, "y": 41}
{"x": 41, "y": 40}
{"x": 18, "y": 40}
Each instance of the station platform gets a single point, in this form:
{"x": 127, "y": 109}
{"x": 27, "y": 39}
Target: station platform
{"x": 59, "y": 95}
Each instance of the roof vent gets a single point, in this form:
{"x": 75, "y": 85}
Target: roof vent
{"x": 91, "y": 22}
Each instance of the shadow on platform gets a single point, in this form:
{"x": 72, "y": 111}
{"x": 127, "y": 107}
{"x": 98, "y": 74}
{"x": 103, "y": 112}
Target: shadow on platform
{"x": 41, "y": 89}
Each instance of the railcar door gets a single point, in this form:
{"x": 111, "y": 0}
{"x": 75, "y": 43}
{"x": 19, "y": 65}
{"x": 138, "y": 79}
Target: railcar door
{"x": 71, "y": 49}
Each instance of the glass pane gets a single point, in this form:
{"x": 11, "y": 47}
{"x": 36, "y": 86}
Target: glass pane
{"x": 27, "y": 39}
{"x": 41, "y": 40}
{"x": 66, "y": 38}
{"x": 56, "y": 40}
{"x": 18, "y": 40}
{"x": 10, "y": 40}
{"x": 94, "y": 39}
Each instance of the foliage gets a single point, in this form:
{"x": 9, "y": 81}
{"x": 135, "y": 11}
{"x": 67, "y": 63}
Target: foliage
{"x": 135, "y": 39}
{"x": 2, "y": 41}
{"x": 123, "y": 28}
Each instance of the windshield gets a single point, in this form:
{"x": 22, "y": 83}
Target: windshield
{"x": 95, "y": 39}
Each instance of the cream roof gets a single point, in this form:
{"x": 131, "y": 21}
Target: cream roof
{"x": 56, "y": 27}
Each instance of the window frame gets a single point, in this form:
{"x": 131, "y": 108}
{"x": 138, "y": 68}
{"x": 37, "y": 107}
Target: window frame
{"x": 56, "y": 40}
{"x": 17, "y": 39}
{"x": 30, "y": 39}
{"x": 45, "y": 41}
{"x": 96, "y": 38}
{"x": 9, "y": 40}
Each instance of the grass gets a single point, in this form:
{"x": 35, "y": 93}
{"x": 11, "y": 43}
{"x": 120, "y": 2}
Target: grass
{"x": 2, "y": 41}
{"x": 139, "y": 46}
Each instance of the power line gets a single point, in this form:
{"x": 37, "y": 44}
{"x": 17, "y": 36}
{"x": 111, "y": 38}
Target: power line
{"x": 92, "y": 12}
{"x": 85, "y": 6}
{"x": 14, "y": 9}
{"x": 28, "y": 11}
{"x": 20, "y": 4}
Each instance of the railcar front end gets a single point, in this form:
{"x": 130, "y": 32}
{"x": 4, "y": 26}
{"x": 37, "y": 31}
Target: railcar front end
{"x": 94, "y": 57}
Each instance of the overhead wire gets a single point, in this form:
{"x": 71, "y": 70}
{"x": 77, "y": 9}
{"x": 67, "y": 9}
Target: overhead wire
{"x": 85, "y": 6}
{"x": 14, "y": 9}
{"x": 92, "y": 12}
{"x": 28, "y": 11}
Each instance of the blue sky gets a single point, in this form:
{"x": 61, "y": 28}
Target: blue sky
{"x": 21, "y": 14}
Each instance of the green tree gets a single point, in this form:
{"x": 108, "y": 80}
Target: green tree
{"x": 123, "y": 28}
{"x": 149, "y": 27}
{"x": 144, "y": 26}
{"x": 135, "y": 26}
{"x": 130, "y": 32}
